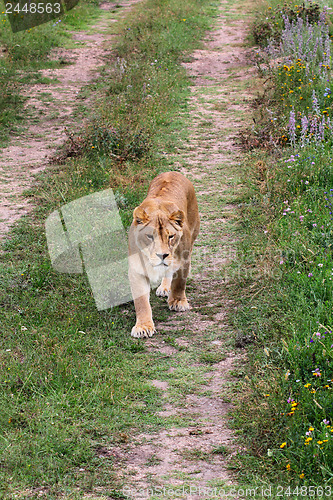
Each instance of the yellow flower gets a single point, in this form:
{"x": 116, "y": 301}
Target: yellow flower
{"x": 283, "y": 445}
{"x": 311, "y": 429}
{"x": 307, "y": 385}
{"x": 301, "y": 475}
{"x": 320, "y": 442}
{"x": 288, "y": 466}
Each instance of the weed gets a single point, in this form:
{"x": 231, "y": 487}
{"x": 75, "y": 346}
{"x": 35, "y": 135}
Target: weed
{"x": 221, "y": 450}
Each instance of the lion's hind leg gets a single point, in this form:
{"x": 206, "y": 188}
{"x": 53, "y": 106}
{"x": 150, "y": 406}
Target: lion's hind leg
{"x": 177, "y": 299}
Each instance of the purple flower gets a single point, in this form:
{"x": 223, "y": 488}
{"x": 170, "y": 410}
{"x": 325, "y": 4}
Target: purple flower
{"x": 315, "y": 105}
{"x": 292, "y": 127}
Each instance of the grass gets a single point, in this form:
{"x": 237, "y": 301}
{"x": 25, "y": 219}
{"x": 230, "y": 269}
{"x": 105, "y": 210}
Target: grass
{"x": 72, "y": 378}
{"x": 286, "y": 287}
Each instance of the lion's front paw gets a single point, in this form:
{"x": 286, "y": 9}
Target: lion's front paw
{"x": 178, "y": 304}
{"x": 162, "y": 291}
{"x": 141, "y": 330}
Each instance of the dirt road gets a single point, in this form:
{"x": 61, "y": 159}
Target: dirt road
{"x": 192, "y": 458}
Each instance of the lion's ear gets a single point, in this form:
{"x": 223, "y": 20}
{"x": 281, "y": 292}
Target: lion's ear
{"x": 140, "y": 216}
{"x": 178, "y": 217}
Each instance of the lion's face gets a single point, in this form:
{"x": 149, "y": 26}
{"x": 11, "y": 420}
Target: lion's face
{"x": 158, "y": 235}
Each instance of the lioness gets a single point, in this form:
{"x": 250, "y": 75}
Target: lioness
{"x": 161, "y": 239}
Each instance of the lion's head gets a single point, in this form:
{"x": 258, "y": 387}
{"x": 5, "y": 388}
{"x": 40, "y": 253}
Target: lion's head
{"x": 158, "y": 233}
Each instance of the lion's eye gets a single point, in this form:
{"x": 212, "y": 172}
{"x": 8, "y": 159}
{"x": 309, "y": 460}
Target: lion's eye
{"x": 150, "y": 237}
{"x": 171, "y": 236}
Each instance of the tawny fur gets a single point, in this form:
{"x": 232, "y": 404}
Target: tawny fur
{"x": 161, "y": 239}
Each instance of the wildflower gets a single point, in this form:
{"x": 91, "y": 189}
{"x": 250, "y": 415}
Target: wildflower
{"x": 326, "y": 422}
{"x": 283, "y": 445}
{"x": 288, "y": 466}
{"x": 301, "y": 475}
{"x": 315, "y": 105}
{"x": 311, "y": 429}
{"x": 320, "y": 442}
{"x": 292, "y": 127}
{"x": 310, "y": 275}
{"x": 307, "y": 385}
{"x": 320, "y": 265}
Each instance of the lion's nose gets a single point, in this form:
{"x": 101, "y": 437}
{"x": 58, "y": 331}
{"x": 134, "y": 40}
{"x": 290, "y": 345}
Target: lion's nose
{"x": 162, "y": 256}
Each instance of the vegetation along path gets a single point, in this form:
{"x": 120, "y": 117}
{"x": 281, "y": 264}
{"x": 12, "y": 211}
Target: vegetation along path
{"x": 193, "y": 458}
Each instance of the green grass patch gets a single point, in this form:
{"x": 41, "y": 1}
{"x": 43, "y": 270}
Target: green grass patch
{"x": 286, "y": 278}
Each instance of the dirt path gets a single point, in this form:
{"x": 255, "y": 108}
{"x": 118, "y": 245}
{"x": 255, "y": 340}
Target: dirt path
{"x": 50, "y": 110}
{"x": 189, "y": 458}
